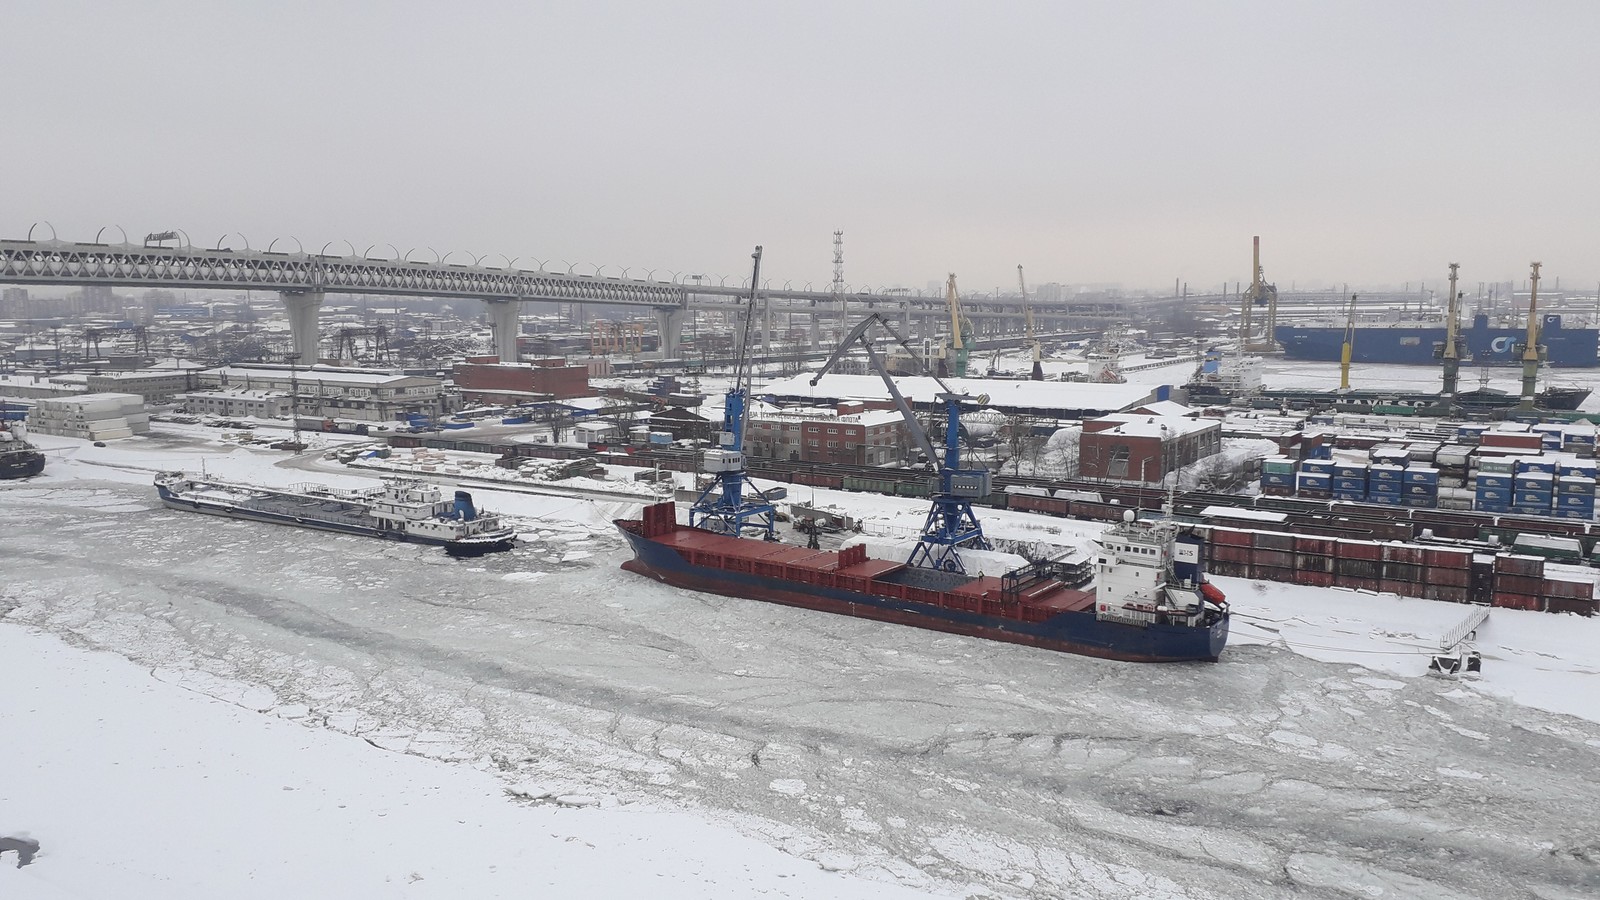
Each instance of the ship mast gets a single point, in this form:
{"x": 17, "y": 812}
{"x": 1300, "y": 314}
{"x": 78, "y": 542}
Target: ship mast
{"x": 1530, "y": 347}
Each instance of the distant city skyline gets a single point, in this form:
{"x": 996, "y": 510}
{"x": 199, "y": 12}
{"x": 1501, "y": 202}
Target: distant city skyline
{"x": 1367, "y": 143}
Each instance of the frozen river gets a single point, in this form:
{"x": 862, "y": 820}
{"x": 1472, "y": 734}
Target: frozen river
{"x": 933, "y": 760}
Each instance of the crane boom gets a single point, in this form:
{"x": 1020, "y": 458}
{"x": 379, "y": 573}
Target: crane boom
{"x": 1027, "y": 321}
{"x": 1347, "y": 350}
{"x": 950, "y": 523}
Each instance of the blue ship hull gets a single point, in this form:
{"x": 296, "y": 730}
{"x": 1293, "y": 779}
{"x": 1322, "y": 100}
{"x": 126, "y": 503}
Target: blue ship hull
{"x": 1072, "y": 632}
{"x": 1415, "y": 345}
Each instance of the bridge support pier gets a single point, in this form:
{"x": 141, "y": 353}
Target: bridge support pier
{"x": 503, "y": 319}
{"x": 304, "y": 308}
{"x": 669, "y": 330}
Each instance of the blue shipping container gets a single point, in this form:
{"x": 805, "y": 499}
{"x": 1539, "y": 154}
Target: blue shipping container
{"x": 1494, "y": 496}
{"x": 1422, "y": 476}
{"x": 1494, "y": 481}
{"x": 1317, "y": 466}
{"x": 1349, "y": 484}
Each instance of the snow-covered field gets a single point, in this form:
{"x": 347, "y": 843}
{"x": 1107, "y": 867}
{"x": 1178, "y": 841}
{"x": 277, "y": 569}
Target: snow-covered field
{"x": 284, "y": 711}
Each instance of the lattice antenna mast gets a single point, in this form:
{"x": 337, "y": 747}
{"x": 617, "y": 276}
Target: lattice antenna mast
{"x": 838, "y": 278}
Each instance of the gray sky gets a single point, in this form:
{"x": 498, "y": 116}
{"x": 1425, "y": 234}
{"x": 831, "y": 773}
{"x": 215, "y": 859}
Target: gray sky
{"x": 1092, "y": 142}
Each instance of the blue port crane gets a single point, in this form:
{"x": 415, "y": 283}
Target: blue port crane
{"x": 731, "y": 504}
{"x": 951, "y": 524}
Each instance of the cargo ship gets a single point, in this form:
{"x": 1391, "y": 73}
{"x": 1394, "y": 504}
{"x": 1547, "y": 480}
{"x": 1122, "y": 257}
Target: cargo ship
{"x": 403, "y": 509}
{"x": 18, "y": 458}
{"x": 1415, "y": 343}
{"x": 1150, "y": 601}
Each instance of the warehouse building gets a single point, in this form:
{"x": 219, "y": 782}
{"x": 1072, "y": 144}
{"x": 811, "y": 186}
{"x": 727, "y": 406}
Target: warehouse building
{"x": 331, "y": 392}
{"x": 1135, "y": 447}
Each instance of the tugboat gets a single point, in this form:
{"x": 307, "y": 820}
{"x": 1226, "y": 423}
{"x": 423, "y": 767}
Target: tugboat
{"x": 18, "y": 458}
{"x": 403, "y": 509}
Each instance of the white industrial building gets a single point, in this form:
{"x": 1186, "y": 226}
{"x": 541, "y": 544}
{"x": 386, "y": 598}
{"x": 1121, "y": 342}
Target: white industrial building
{"x": 364, "y": 395}
{"x": 93, "y": 417}
{"x": 238, "y": 403}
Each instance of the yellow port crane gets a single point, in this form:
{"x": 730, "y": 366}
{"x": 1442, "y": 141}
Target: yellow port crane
{"x": 960, "y": 343}
{"x": 1348, "y": 347}
{"x": 1027, "y": 320}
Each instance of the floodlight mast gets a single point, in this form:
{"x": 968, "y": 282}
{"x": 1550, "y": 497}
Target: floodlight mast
{"x": 951, "y": 524}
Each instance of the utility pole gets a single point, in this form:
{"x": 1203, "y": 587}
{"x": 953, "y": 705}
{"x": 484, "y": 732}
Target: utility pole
{"x": 294, "y": 395}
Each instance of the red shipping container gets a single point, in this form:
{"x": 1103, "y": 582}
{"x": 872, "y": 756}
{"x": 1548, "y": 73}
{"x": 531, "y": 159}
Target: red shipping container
{"x": 1446, "y": 592}
{"x": 1403, "y": 553}
{"x": 1358, "y": 584}
{"x": 1320, "y": 546}
{"x": 1360, "y": 550}
{"x": 1564, "y": 605}
{"x": 1317, "y": 579}
{"x": 1454, "y": 577}
{"x": 1403, "y": 588}
{"x": 1571, "y": 590}
{"x": 1231, "y": 537}
{"x": 1518, "y": 584}
{"x": 1447, "y": 559}
{"x": 1509, "y": 600}
{"x": 1519, "y": 565}
{"x": 1395, "y": 571}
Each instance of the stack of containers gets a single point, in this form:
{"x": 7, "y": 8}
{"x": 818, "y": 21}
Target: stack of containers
{"x": 1575, "y": 486}
{"x": 1517, "y": 581}
{"x": 1350, "y": 481}
{"x": 1385, "y": 483}
{"x": 1277, "y": 476}
{"x": 1492, "y": 486}
{"x": 1421, "y": 486}
{"x": 1579, "y": 438}
{"x": 1452, "y": 463}
{"x": 1533, "y": 487}
{"x": 1316, "y": 479}
{"x": 1549, "y": 435}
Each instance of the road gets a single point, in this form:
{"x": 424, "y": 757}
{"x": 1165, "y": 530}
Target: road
{"x": 939, "y": 761}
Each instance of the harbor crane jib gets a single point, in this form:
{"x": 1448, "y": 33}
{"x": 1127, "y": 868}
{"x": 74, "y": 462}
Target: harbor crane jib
{"x": 731, "y": 504}
{"x": 951, "y": 524}
{"x": 962, "y": 339}
{"x": 1037, "y": 374}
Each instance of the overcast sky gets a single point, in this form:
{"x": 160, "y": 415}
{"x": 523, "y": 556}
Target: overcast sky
{"x": 1101, "y": 142}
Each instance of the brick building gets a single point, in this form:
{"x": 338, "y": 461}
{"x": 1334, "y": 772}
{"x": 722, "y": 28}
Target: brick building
{"x": 1145, "y": 448}
{"x": 485, "y": 380}
{"x": 848, "y": 433}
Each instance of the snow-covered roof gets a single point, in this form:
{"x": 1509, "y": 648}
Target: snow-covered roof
{"x": 1167, "y": 408}
{"x": 1015, "y": 394}
{"x": 1136, "y": 425}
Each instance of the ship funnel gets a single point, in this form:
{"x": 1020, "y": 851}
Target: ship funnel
{"x": 464, "y": 507}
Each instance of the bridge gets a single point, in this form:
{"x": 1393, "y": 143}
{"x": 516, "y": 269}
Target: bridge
{"x": 303, "y": 280}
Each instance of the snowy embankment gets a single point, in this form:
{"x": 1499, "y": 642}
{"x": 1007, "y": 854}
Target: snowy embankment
{"x": 1547, "y": 661}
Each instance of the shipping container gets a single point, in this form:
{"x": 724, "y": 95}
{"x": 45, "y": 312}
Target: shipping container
{"x": 1358, "y": 568}
{"x": 1273, "y": 540}
{"x": 1580, "y": 607}
{"x": 1508, "y": 600}
{"x": 1454, "y": 577}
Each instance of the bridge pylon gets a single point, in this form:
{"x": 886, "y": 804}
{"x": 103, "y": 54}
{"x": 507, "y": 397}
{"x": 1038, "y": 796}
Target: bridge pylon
{"x": 304, "y": 308}
{"x": 503, "y": 320}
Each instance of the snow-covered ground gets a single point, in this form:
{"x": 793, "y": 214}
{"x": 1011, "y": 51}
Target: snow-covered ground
{"x": 730, "y": 748}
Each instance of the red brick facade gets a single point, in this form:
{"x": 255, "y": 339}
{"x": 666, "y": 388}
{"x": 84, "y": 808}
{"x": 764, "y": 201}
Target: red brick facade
{"x": 485, "y": 380}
